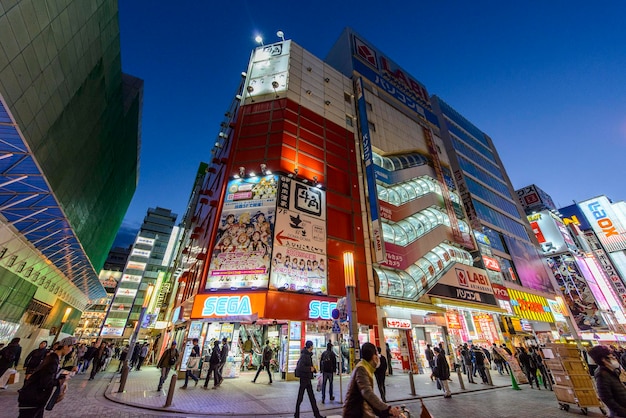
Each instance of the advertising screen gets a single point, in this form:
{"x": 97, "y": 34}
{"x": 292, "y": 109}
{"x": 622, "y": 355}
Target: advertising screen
{"x": 551, "y": 233}
{"x": 529, "y": 265}
{"x": 605, "y": 223}
{"x": 299, "y": 252}
{"x": 576, "y": 293}
{"x": 241, "y": 253}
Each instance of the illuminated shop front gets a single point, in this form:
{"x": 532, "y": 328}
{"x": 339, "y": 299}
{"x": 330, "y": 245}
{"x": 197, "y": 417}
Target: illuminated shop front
{"x": 533, "y": 322}
{"x": 286, "y": 319}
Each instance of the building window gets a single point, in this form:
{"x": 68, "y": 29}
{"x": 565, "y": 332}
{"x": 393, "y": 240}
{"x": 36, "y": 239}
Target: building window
{"x": 349, "y": 121}
{"x": 372, "y": 126}
{"x": 369, "y": 106}
{"x": 347, "y": 97}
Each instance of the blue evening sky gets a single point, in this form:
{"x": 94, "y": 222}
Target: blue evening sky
{"x": 545, "y": 79}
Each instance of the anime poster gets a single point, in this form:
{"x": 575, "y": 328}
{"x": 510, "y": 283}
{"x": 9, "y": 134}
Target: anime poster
{"x": 576, "y": 294}
{"x": 243, "y": 245}
{"x": 299, "y": 252}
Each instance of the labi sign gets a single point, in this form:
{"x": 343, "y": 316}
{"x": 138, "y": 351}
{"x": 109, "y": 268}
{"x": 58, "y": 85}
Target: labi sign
{"x": 474, "y": 280}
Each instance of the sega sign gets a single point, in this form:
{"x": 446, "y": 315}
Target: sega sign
{"x": 319, "y": 309}
{"x": 227, "y": 306}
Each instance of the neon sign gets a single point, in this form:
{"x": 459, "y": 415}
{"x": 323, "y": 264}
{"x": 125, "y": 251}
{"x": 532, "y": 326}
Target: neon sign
{"x": 227, "y": 306}
{"x": 319, "y": 309}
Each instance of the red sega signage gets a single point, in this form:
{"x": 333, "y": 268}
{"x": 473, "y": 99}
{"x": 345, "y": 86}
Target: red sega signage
{"x": 398, "y": 323}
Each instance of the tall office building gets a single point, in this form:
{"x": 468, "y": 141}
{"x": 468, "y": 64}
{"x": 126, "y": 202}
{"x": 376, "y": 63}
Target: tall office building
{"x": 70, "y": 134}
{"x": 148, "y": 264}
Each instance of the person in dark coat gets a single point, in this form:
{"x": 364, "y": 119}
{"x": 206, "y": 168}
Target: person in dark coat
{"x": 529, "y": 366}
{"x": 268, "y": 353}
{"x": 305, "y": 371}
{"x": 223, "y": 358}
{"x": 430, "y": 356}
{"x": 610, "y": 390}
{"x": 328, "y": 367}
{"x": 10, "y": 355}
{"x": 38, "y": 388}
{"x": 380, "y": 372}
{"x": 442, "y": 372}
{"x": 34, "y": 359}
{"x": 168, "y": 360}
{"x": 214, "y": 364}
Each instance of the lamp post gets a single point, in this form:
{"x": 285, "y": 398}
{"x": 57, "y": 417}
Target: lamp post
{"x": 66, "y": 315}
{"x": 133, "y": 337}
{"x": 350, "y": 281}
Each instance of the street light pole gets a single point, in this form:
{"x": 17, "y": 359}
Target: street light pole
{"x": 66, "y": 315}
{"x": 133, "y": 338}
{"x": 350, "y": 282}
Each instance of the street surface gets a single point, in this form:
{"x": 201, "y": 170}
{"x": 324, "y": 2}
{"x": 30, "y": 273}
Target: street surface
{"x": 241, "y": 398}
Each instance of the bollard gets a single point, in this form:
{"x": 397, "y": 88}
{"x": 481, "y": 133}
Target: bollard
{"x": 170, "y": 391}
{"x": 412, "y": 383}
{"x": 123, "y": 377}
{"x": 489, "y": 381}
{"x": 458, "y": 373}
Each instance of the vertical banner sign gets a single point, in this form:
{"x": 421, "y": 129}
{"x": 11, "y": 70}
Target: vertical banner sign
{"x": 299, "y": 253}
{"x": 370, "y": 175}
{"x": 241, "y": 252}
{"x": 605, "y": 223}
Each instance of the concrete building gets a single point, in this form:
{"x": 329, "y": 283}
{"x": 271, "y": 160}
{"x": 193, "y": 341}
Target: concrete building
{"x": 69, "y": 124}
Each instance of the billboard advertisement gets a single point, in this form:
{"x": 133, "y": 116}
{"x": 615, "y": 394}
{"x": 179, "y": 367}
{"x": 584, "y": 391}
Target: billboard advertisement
{"x": 465, "y": 283}
{"x": 551, "y": 233}
{"x": 605, "y": 223}
{"x": 241, "y": 254}
{"x": 299, "y": 251}
{"x": 268, "y": 70}
{"x": 532, "y": 197}
{"x": 529, "y": 306}
{"x": 376, "y": 227}
{"x": 576, "y": 293}
{"x": 572, "y": 214}
{"x": 528, "y": 264}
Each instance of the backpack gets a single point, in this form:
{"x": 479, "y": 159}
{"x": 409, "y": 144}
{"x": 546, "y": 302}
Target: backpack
{"x": 267, "y": 355}
{"x": 326, "y": 362}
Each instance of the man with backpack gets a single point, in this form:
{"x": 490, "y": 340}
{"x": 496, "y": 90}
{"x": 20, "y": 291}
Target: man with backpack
{"x": 478, "y": 358}
{"x": 167, "y": 361}
{"x": 265, "y": 362}
{"x": 328, "y": 366}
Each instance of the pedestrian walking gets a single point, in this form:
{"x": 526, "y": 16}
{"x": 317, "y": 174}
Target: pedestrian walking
{"x": 361, "y": 401}
{"x": 478, "y": 361}
{"x": 193, "y": 364}
{"x": 134, "y": 359}
{"x": 610, "y": 389}
{"x": 528, "y": 365}
{"x": 388, "y": 355}
{"x": 167, "y": 361}
{"x": 123, "y": 356}
{"x": 143, "y": 353}
{"x": 328, "y": 367}
{"x": 430, "y": 356}
{"x": 497, "y": 359}
{"x": 223, "y": 357}
{"x": 34, "y": 359}
{"x": 10, "y": 356}
{"x": 89, "y": 355}
{"x": 541, "y": 368}
{"x": 33, "y": 397}
{"x": 268, "y": 353}
{"x": 97, "y": 361}
{"x": 442, "y": 372}
{"x": 305, "y": 371}
{"x": 214, "y": 365}
{"x": 380, "y": 373}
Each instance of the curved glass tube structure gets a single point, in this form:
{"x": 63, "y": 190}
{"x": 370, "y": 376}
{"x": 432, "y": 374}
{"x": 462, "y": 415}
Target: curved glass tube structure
{"x": 421, "y": 275}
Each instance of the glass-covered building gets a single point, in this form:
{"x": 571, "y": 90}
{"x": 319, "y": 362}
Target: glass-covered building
{"x": 69, "y": 149}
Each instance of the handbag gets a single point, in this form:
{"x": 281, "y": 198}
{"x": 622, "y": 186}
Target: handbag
{"x": 193, "y": 363}
{"x": 319, "y": 382}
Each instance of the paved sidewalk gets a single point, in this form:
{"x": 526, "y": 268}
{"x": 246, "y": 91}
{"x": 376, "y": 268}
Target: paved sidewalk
{"x": 240, "y": 397}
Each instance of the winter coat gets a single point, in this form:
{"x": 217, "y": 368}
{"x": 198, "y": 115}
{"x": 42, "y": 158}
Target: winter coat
{"x": 303, "y": 367}
{"x": 10, "y": 356}
{"x": 38, "y": 388}
{"x": 224, "y": 353}
{"x": 361, "y": 401}
{"x": 442, "y": 368}
{"x": 34, "y": 359}
{"x": 328, "y": 362}
{"x": 611, "y": 391}
{"x": 164, "y": 362}
{"x": 215, "y": 356}
{"x": 381, "y": 370}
